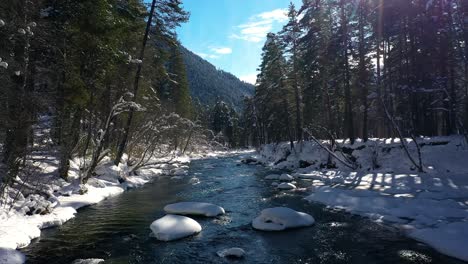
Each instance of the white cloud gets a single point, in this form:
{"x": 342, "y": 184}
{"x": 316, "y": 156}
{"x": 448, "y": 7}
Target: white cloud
{"x": 207, "y": 56}
{"x": 259, "y": 25}
{"x": 222, "y": 50}
{"x": 277, "y": 15}
{"x": 249, "y": 78}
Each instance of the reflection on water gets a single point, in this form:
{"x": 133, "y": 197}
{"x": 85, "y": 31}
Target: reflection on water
{"x": 118, "y": 229}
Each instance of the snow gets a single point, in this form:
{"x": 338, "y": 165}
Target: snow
{"x": 88, "y": 261}
{"x": 17, "y": 229}
{"x": 11, "y": 256}
{"x": 4, "y": 64}
{"x": 231, "y": 252}
{"x": 194, "y": 208}
{"x": 172, "y": 227}
{"x": 281, "y": 218}
{"x": 450, "y": 239}
{"x": 431, "y": 207}
{"x": 286, "y": 177}
{"x": 286, "y": 186}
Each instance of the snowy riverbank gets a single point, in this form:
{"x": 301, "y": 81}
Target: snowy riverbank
{"x": 17, "y": 228}
{"x": 431, "y": 207}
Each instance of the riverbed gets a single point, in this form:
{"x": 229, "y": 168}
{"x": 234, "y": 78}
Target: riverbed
{"x": 117, "y": 229}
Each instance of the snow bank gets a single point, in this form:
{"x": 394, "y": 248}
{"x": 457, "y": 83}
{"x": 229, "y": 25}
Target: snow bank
{"x": 17, "y": 229}
{"x": 231, "y": 252}
{"x": 194, "y": 208}
{"x": 431, "y": 207}
{"x": 450, "y": 239}
{"x": 172, "y": 227}
{"x": 281, "y": 218}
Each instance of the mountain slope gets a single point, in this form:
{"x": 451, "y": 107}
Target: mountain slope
{"x": 208, "y": 83}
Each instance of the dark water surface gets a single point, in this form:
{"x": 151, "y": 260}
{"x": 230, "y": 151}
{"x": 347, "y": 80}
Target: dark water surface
{"x": 117, "y": 229}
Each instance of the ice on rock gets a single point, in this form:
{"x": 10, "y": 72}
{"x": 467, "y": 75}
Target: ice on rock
{"x": 286, "y": 186}
{"x": 11, "y": 256}
{"x": 286, "y": 177}
{"x": 231, "y": 252}
{"x": 272, "y": 177}
{"x": 281, "y": 218}
{"x": 88, "y": 261}
{"x": 194, "y": 208}
{"x": 172, "y": 227}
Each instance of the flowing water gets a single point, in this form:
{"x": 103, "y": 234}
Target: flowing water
{"x": 117, "y": 229}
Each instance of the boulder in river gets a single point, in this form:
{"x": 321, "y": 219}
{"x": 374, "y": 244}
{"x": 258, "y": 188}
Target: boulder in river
{"x": 249, "y": 160}
{"x": 272, "y": 177}
{"x": 194, "y": 208}
{"x": 286, "y": 186}
{"x": 286, "y": 177}
{"x": 172, "y": 227}
{"x": 231, "y": 252}
{"x": 281, "y": 218}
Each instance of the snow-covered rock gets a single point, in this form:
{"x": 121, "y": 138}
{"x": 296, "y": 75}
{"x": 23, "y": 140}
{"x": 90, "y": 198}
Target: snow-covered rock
{"x": 274, "y": 184}
{"x": 286, "y": 177}
{"x": 11, "y": 256}
{"x": 231, "y": 252}
{"x": 272, "y": 177}
{"x": 281, "y": 218}
{"x": 194, "y": 180}
{"x": 178, "y": 172}
{"x": 88, "y": 261}
{"x": 172, "y": 227}
{"x": 286, "y": 186}
{"x": 194, "y": 208}
{"x": 2, "y": 23}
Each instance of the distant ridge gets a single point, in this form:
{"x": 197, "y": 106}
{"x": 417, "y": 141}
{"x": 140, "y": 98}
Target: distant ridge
{"x": 208, "y": 83}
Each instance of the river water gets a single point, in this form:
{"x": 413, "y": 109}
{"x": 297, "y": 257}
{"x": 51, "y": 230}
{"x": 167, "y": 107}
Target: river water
{"x": 117, "y": 229}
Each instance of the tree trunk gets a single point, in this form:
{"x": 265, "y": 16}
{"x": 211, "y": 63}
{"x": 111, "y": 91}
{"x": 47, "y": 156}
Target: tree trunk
{"x": 123, "y": 143}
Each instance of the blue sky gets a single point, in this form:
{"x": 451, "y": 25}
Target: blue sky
{"x": 230, "y": 33}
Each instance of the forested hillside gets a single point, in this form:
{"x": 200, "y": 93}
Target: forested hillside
{"x": 351, "y": 69}
{"x": 209, "y": 84}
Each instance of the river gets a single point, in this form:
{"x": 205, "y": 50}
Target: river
{"x": 117, "y": 229}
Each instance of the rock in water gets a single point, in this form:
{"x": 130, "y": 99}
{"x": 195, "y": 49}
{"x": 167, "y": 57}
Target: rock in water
{"x": 272, "y": 177}
{"x": 286, "y": 177}
{"x": 281, "y": 218}
{"x": 231, "y": 252}
{"x": 172, "y": 227}
{"x": 286, "y": 186}
{"x": 194, "y": 208}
